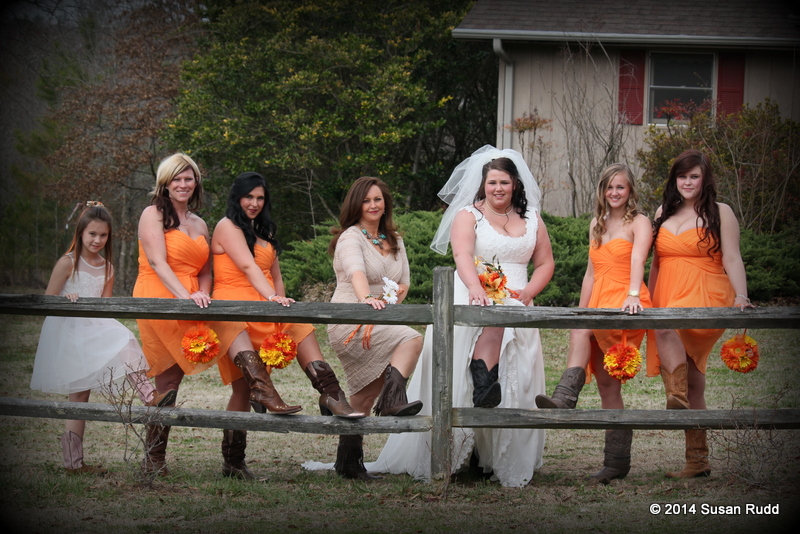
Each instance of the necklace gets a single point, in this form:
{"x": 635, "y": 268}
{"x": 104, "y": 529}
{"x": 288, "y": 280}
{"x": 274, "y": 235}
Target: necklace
{"x": 375, "y": 240}
{"x": 498, "y": 214}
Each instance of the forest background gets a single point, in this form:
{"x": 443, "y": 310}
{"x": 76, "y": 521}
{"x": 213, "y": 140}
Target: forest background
{"x": 311, "y": 94}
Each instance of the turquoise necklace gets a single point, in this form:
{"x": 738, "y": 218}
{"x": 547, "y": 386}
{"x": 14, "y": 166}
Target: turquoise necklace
{"x": 375, "y": 240}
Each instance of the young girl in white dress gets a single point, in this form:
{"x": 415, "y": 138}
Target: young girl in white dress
{"x": 78, "y": 354}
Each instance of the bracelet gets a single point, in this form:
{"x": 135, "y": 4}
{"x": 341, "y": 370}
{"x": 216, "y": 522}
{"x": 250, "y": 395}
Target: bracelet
{"x": 367, "y": 296}
{"x": 271, "y": 298}
{"x": 744, "y": 297}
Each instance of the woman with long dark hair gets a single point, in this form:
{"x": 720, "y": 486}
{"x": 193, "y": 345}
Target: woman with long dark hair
{"x": 697, "y": 263}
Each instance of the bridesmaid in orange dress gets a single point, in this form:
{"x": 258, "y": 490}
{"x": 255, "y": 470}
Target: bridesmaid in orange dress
{"x": 246, "y": 267}
{"x": 697, "y": 263}
{"x": 174, "y": 262}
{"x": 620, "y": 240}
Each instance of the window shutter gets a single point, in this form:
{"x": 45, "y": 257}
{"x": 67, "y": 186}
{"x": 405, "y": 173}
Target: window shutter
{"x": 730, "y": 83}
{"x": 631, "y": 86}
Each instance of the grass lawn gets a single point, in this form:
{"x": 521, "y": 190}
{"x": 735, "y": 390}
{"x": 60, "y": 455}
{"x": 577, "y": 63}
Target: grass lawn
{"x": 748, "y": 468}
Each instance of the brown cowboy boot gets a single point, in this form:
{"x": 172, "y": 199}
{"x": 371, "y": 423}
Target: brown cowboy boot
{"x": 697, "y": 464}
{"x": 234, "y": 443}
{"x": 332, "y": 400}
{"x": 155, "y": 449}
{"x": 393, "y": 399}
{"x": 72, "y": 447}
{"x": 263, "y": 395}
{"x": 676, "y": 387}
{"x": 350, "y": 458}
{"x": 567, "y": 391}
{"x": 616, "y": 456}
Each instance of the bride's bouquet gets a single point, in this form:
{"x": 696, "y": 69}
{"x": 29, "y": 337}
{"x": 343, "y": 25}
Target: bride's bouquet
{"x": 493, "y": 279}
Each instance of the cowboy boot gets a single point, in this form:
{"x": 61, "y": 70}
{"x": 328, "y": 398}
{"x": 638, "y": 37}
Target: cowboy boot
{"x": 350, "y": 458}
{"x": 566, "y": 394}
{"x": 72, "y": 447}
{"x": 676, "y": 387}
{"x": 147, "y": 393}
{"x": 393, "y": 399}
{"x": 486, "y": 390}
{"x": 616, "y": 456}
{"x": 697, "y": 464}
{"x": 332, "y": 400}
{"x": 234, "y": 443}
{"x": 263, "y": 395}
{"x": 155, "y": 449}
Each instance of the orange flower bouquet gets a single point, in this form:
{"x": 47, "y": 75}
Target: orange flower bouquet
{"x": 622, "y": 361}
{"x": 200, "y": 344}
{"x": 493, "y": 279}
{"x": 740, "y": 353}
{"x": 278, "y": 350}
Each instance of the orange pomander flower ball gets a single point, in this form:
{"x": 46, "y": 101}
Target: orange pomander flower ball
{"x": 278, "y": 350}
{"x": 622, "y": 361}
{"x": 200, "y": 344}
{"x": 740, "y": 353}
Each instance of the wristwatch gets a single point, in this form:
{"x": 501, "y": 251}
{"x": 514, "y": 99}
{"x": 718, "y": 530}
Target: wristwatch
{"x": 633, "y": 293}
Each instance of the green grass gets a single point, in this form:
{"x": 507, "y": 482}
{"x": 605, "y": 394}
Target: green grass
{"x": 36, "y": 495}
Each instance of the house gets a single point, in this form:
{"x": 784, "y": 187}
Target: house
{"x": 594, "y": 73}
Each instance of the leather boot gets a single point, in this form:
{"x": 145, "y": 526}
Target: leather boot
{"x": 677, "y": 387}
{"x": 566, "y": 394}
{"x": 393, "y": 399}
{"x": 332, "y": 400}
{"x": 234, "y": 442}
{"x": 155, "y": 449}
{"x": 697, "y": 464}
{"x": 616, "y": 456}
{"x": 486, "y": 390}
{"x": 72, "y": 447}
{"x": 263, "y": 395}
{"x": 350, "y": 458}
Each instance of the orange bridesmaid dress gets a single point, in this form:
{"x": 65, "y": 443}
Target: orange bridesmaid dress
{"x": 230, "y": 283}
{"x": 161, "y": 339}
{"x": 612, "y": 278}
{"x": 688, "y": 277}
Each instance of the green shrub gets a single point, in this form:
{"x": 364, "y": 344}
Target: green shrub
{"x": 771, "y": 264}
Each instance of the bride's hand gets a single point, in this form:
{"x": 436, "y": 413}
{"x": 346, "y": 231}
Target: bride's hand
{"x": 523, "y": 297}
{"x": 478, "y": 298}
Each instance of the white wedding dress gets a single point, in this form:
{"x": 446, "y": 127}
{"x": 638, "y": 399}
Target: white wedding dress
{"x": 83, "y": 353}
{"x": 512, "y": 455}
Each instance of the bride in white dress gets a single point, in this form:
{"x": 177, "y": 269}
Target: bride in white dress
{"x": 494, "y": 214}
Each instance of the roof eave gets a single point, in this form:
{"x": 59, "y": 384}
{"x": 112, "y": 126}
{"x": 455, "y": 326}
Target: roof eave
{"x": 627, "y": 38}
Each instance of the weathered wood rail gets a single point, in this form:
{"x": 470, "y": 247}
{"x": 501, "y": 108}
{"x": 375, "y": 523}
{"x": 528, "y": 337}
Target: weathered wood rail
{"x": 443, "y": 315}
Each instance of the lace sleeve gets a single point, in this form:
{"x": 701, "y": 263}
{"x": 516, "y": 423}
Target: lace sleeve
{"x": 405, "y": 277}
{"x": 350, "y": 254}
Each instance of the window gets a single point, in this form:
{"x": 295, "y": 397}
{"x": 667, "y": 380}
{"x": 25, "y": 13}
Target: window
{"x": 679, "y": 77}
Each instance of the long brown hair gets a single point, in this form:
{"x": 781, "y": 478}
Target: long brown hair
{"x": 706, "y": 206}
{"x": 96, "y": 212}
{"x": 169, "y": 168}
{"x": 601, "y": 206}
{"x": 352, "y": 210}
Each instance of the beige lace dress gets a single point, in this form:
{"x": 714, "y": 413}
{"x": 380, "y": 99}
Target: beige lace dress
{"x": 354, "y": 252}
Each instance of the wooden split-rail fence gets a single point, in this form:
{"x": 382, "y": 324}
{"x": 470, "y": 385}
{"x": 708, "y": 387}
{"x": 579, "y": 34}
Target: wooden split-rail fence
{"x": 443, "y": 316}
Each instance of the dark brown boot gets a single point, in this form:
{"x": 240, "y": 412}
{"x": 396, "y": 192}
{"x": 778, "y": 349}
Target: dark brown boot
{"x": 393, "y": 399}
{"x": 676, "y": 386}
{"x": 350, "y": 458}
{"x": 72, "y": 447}
{"x": 567, "y": 391}
{"x": 617, "y": 456}
{"x": 155, "y": 449}
{"x": 332, "y": 400}
{"x": 234, "y": 443}
{"x": 486, "y": 390}
{"x": 697, "y": 464}
{"x": 263, "y": 395}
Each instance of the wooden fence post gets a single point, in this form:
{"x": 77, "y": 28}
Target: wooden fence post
{"x": 442, "y": 400}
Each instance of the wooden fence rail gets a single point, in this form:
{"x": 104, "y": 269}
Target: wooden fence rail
{"x": 443, "y": 315}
